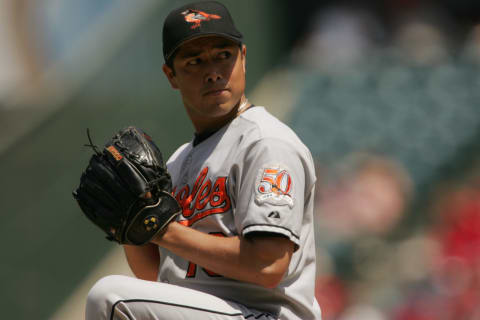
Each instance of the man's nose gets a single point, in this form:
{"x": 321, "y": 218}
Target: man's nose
{"x": 213, "y": 71}
{"x": 213, "y": 76}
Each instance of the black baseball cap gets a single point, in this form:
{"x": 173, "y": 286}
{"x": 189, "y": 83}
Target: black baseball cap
{"x": 196, "y": 20}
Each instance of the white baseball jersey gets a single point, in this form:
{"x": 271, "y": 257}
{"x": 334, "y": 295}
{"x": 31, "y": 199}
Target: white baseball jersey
{"x": 252, "y": 175}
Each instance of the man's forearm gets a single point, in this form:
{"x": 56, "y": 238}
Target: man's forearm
{"x": 261, "y": 261}
{"x": 143, "y": 260}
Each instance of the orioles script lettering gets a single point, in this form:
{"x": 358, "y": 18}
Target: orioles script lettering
{"x": 204, "y": 199}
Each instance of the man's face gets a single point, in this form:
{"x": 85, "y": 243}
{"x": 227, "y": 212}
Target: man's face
{"x": 210, "y": 74}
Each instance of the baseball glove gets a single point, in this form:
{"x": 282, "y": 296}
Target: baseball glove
{"x": 126, "y": 189}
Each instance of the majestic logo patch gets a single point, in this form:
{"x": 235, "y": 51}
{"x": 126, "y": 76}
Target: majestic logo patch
{"x": 274, "y": 186}
{"x": 274, "y": 214}
{"x": 197, "y": 17}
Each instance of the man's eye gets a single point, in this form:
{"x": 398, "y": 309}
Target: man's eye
{"x": 224, "y": 55}
{"x": 193, "y": 61}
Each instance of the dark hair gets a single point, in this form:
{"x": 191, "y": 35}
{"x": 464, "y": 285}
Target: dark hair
{"x": 169, "y": 62}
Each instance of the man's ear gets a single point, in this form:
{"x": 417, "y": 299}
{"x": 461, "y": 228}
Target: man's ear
{"x": 244, "y": 55}
{"x": 170, "y": 76}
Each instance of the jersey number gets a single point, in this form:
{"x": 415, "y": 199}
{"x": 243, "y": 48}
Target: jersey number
{"x": 192, "y": 267}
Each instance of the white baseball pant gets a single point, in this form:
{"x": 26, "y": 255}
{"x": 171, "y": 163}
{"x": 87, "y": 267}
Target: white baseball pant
{"x": 121, "y": 297}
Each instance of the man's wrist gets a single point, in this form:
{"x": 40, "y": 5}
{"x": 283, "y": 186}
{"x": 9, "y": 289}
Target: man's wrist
{"x": 159, "y": 238}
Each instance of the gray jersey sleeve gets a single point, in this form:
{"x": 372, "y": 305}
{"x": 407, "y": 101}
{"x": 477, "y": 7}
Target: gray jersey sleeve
{"x": 271, "y": 189}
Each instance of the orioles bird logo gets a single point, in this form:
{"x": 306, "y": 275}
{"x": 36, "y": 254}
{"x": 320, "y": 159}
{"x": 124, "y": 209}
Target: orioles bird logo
{"x": 197, "y": 17}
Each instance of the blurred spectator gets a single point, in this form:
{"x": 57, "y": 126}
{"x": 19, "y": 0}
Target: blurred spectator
{"x": 19, "y": 57}
{"x": 458, "y": 225}
{"x": 367, "y": 198}
{"x": 339, "y": 37}
{"x": 420, "y": 38}
{"x": 471, "y": 51}
{"x": 458, "y": 232}
{"x": 362, "y": 312}
{"x": 420, "y": 43}
{"x": 332, "y": 294}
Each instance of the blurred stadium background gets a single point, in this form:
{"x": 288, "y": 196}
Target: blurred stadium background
{"x": 384, "y": 93}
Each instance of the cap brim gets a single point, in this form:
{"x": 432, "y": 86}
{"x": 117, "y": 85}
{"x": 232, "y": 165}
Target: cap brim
{"x": 202, "y": 35}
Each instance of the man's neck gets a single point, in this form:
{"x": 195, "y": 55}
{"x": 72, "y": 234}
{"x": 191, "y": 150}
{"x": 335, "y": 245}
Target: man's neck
{"x": 210, "y": 125}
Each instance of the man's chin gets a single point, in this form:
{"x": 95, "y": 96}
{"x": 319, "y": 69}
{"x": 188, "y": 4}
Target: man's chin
{"x": 220, "y": 100}
{"x": 219, "y": 106}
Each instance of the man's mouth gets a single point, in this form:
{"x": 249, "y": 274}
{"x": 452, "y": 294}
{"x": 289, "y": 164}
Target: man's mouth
{"x": 215, "y": 92}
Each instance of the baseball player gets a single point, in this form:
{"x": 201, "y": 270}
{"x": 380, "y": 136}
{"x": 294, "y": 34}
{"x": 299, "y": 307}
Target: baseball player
{"x": 243, "y": 245}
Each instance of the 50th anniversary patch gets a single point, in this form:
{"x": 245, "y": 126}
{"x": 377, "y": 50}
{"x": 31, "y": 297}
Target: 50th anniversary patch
{"x": 274, "y": 186}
